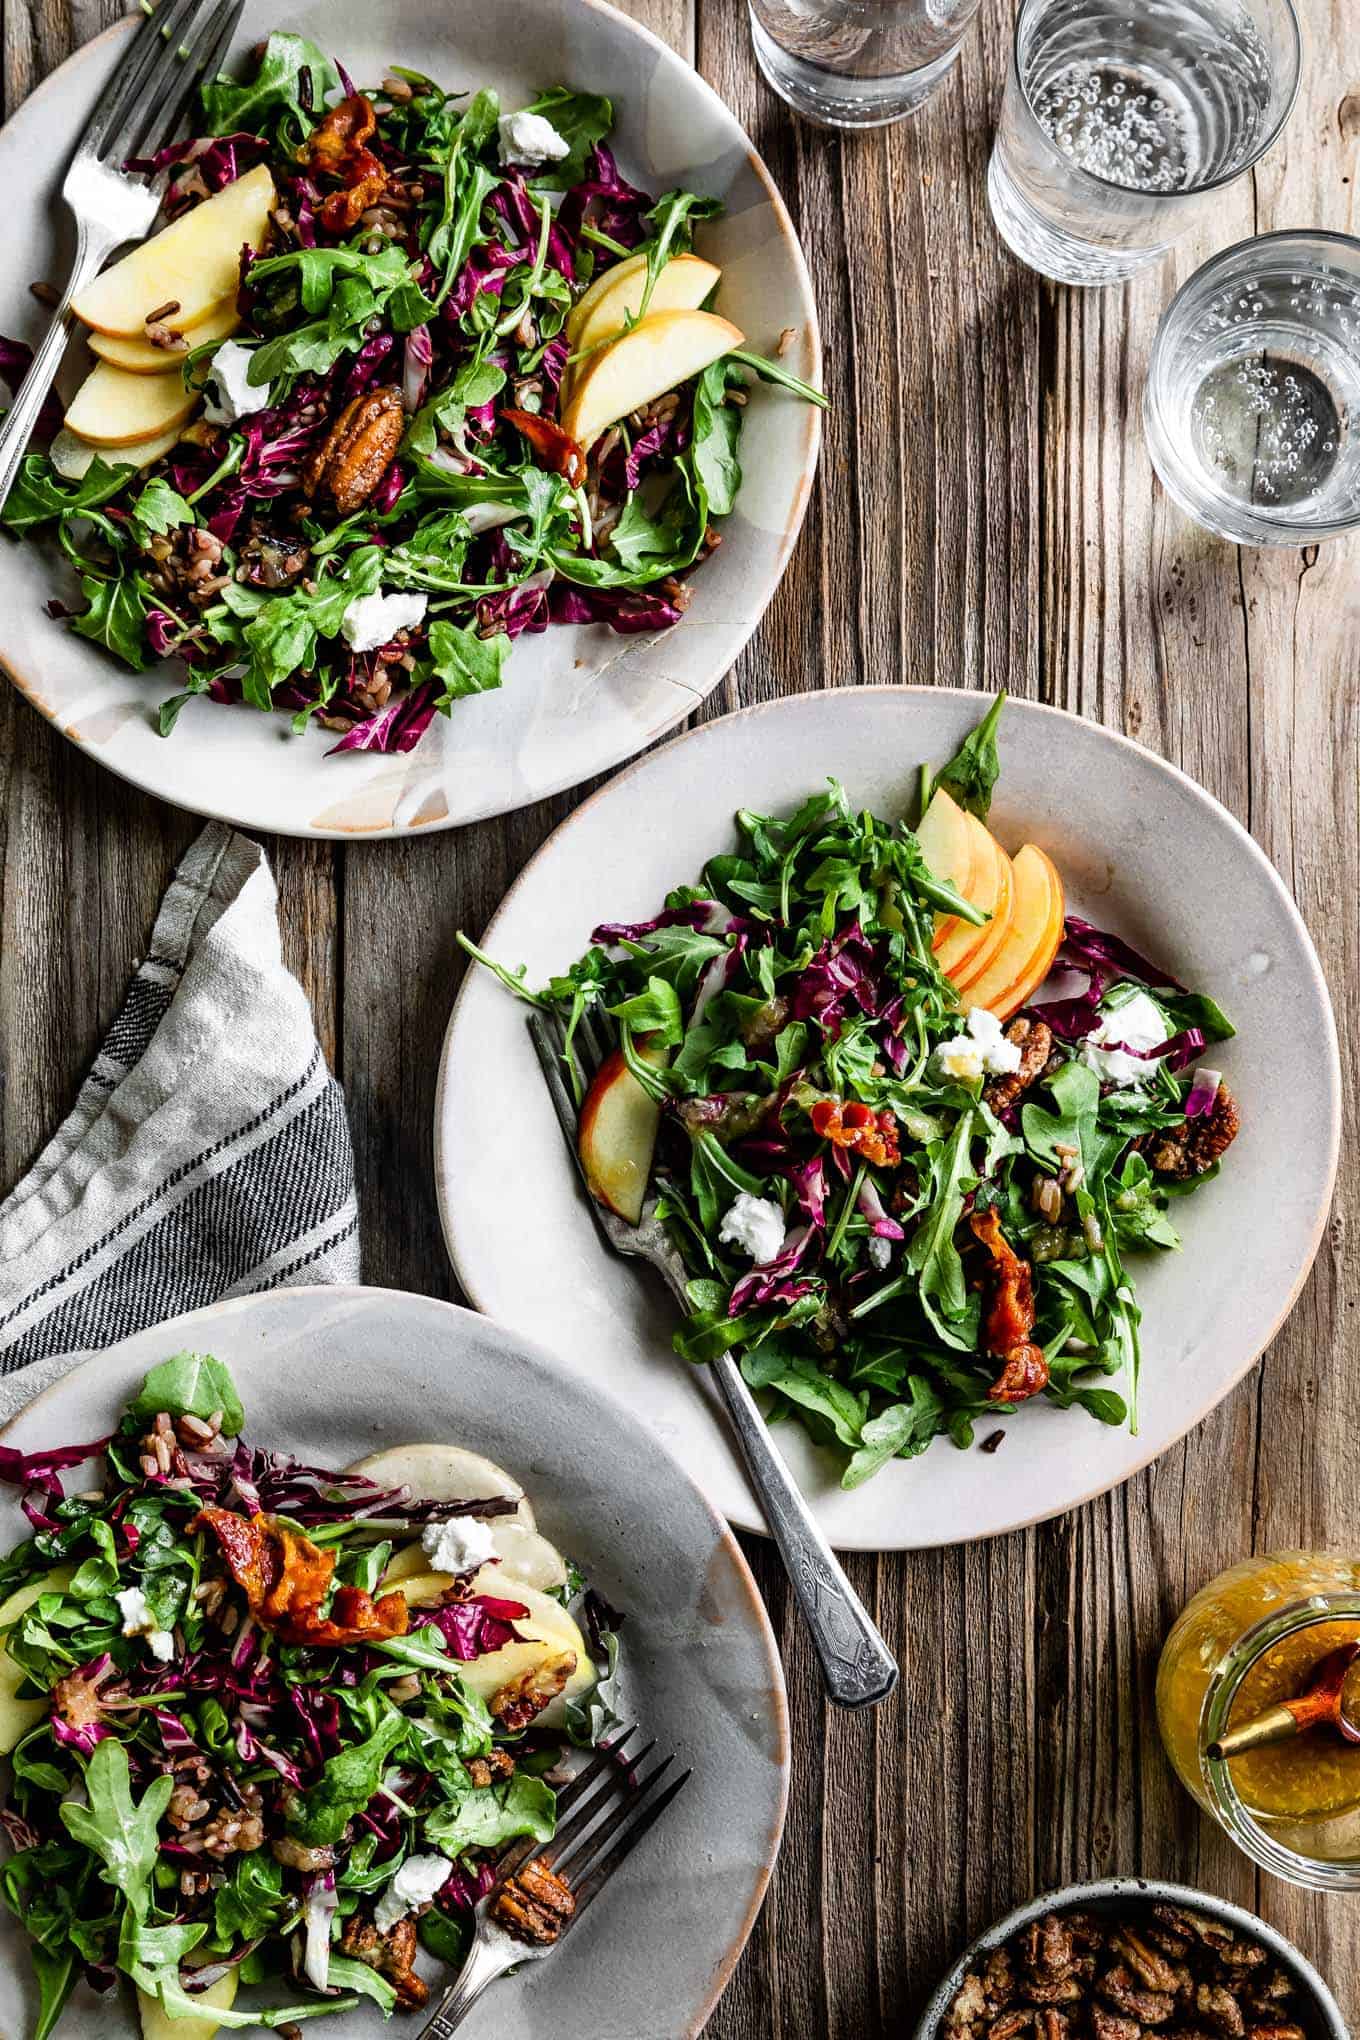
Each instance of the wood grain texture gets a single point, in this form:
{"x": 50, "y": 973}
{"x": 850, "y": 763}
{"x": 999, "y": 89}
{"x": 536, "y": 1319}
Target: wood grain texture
{"x": 987, "y": 516}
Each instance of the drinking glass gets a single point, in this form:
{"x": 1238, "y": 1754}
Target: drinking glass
{"x": 857, "y": 63}
{"x": 1119, "y": 115}
{"x": 1252, "y": 406}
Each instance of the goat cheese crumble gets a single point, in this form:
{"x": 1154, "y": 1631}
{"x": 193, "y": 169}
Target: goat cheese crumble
{"x": 460, "y": 1545}
{"x": 755, "y": 1225}
{"x": 138, "y": 1620}
{"x": 373, "y": 620}
{"x": 1138, "y": 1024}
{"x": 416, "y": 1883}
{"x": 235, "y": 397}
{"x": 983, "y": 1050}
{"x": 529, "y": 140}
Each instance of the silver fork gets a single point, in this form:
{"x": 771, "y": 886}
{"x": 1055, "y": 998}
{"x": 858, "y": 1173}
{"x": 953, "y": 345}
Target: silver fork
{"x": 857, "y": 1667}
{"x": 608, "y": 1807}
{"x": 147, "y": 97}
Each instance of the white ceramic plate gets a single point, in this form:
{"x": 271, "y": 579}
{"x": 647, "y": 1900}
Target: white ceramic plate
{"x": 1144, "y": 852}
{"x": 575, "y": 700}
{"x": 334, "y": 1373}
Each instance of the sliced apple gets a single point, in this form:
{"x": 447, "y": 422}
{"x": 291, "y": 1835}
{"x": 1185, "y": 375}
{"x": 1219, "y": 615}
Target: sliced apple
{"x": 446, "y": 1473}
{"x": 616, "y": 1135}
{"x": 1025, "y": 957}
{"x": 615, "y": 298}
{"x": 953, "y": 852}
{"x": 193, "y": 264}
{"x": 548, "y": 1631}
{"x": 73, "y": 457}
{"x": 158, "y": 2024}
{"x": 994, "y": 934}
{"x": 986, "y": 882}
{"x": 521, "y": 1551}
{"x": 113, "y": 408}
{"x": 663, "y": 350}
{"x": 18, "y": 1716}
{"x": 138, "y": 357}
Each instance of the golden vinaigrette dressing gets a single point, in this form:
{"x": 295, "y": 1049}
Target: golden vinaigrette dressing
{"x": 1309, "y": 1779}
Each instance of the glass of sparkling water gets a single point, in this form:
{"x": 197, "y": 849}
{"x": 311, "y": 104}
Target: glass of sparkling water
{"x": 857, "y": 63}
{"x": 1252, "y": 404}
{"x": 1120, "y": 114}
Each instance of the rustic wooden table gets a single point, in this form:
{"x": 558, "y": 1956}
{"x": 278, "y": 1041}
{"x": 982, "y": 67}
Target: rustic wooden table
{"x": 987, "y": 516}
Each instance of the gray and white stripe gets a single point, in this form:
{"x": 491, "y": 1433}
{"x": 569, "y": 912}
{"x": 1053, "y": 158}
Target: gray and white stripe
{"x": 207, "y": 1154}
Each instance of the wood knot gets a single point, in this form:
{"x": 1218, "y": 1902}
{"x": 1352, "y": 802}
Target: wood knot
{"x": 1348, "y": 116}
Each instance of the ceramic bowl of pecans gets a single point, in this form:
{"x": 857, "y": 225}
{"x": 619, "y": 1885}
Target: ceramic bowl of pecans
{"x": 1131, "y": 1959}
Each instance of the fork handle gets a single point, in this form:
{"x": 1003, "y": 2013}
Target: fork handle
{"x": 858, "y": 1668}
{"x": 485, "y": 1962}
{"x": 17, "y": 428}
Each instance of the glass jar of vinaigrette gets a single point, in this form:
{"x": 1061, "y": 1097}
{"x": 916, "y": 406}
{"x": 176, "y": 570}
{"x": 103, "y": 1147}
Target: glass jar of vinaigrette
{"x": 1253, "y": 1637}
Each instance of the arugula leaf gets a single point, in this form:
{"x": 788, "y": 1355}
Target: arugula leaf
{"x": 466, "y": 662}
{"x": 190, "y": 1385}
{"x": 468, "y": 183}
{"x": 802, "y": 1381}
{"x": 281, "y": 631}
{"x": 1075, "y": 1090}
{"x": 158, "y": 509}
{"x": 716, "y": 431}
{"x": 768, "y": 371}
{"x": 900, "y": 1431}
{"x": 58, "y": 1972}
{"x": 490, "y": 1815}
{"x": 40, "y": 493}
{"x": 113, "y": 1827}
{"x": 363, "y": 1981}
{"x": 348, "y": 1781}
{"x": 932, "y": 1255}
{"x": 972, "y": 772}
{"x": 116, "y": 617}
{"x": 655, "y": 1012}
{"x": 581, "y": 118}
{"x": 276, "y": 101}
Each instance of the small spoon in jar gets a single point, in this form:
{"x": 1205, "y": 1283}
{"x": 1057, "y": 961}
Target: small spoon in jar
{"x": 1331, "y": 1700}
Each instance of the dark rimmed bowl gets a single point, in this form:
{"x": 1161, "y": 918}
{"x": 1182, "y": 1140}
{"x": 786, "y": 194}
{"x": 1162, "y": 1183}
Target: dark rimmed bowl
{"x": 1103, "y": 1895}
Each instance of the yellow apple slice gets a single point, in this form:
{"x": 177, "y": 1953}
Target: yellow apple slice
{"x": 521, "y": 1551}
{"x": 74, "y": 457}
{"x": 994, "y": 934}
{"x": 548, "y": 1631}
{"x": 614, "y": 298}
{"x": 988, "y": 880}
{"x": 18, "y": 1716}
{"x": 663, "y": 350}
{"x": 138, "y": 357}
{"x": 113, "y": 408}
{"x": 1026, "y": 955}
{"x": 952, "y": 851}
{"x": 446, "y": 1473}
{"x": 616, "y": 1135}
{"x": 193, "y": 264}
{"x": 157, "y": 2023}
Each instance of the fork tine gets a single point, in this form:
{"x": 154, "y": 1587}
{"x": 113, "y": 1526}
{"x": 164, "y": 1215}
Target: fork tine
{"x": 591, "y": 1033}
{"x": 587, "y": 1811}
{"x": 220, "y": 31}
{"x": 548, "y": 1049}
{"x": 518, "y": 1853}
{"x": 138, "y": 116}
{"x": 161, "y": 31}
{"x": 636, "y": 1823}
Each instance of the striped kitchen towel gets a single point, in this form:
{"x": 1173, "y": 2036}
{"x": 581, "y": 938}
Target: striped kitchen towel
{"x": 207, "y": 1155}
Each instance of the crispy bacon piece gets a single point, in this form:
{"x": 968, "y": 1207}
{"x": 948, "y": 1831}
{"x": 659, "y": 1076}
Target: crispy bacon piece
{"x": 285, "y": 1578}
{"x": 1010, "y": 1314}
{"x": 553, "y": 448}
{"x": 848, "y": 1124}
{"x": 337, "y": 149}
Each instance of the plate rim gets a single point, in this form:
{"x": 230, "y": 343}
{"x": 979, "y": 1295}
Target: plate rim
{"x": 688, "y": 698}
{"x": 905, "y": 692}
{"x": 541, "y": 1356}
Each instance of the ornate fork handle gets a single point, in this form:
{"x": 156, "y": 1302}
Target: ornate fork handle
{"x": 857, "y": 1665}
{"x": 485, "y": 1962}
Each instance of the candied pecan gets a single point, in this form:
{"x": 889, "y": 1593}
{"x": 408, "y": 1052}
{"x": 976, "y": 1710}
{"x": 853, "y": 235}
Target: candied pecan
{"x": 1286, "y": 2031}
{"x": 534, "y": 1904}
{"x": 1220, "y": 2007}
{"x": 1034, "y": 1039}
{"x": 1265, "y": 1991}
{"x": 1010, "y": 2025}
{"x": 968, "y": 2009}
{"x": 999, "y": 1978}
{"x": 552, "y": 448}
{"x": 1047, "y": 1948}
{"x": 1147, "y": 1965}
{"x": 496, "y": 1763}
{"x": 358, "y": 450}
{"x": 1059, "y": 1990}
{"x": 392, "y": 1954}
{"x": 1109, "y": 2026}
{"x": 1052, "y": 2025}
{"x": 1196, "y": 1144}
{"x": 519, "y": 1702}
{"x": 1149, "y": 2007}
